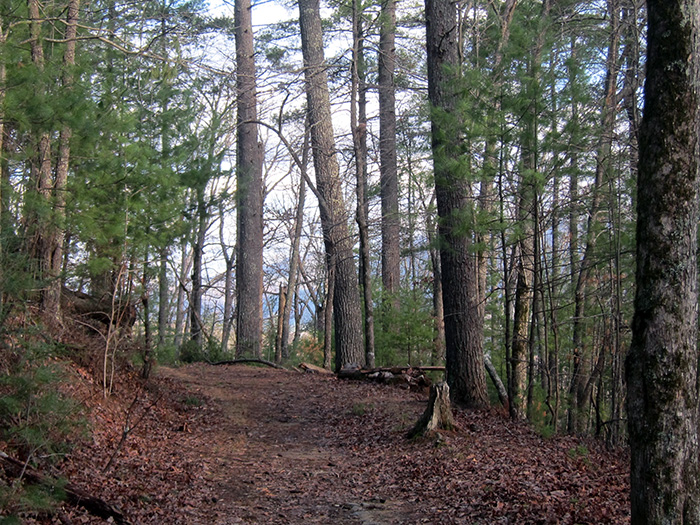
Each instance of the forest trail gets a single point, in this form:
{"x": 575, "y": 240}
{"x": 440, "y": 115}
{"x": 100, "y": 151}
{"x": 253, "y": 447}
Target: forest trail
{"x": 302, "y": 448}
{"x": 241, "y": 444}
{"x": 281, "y": 452}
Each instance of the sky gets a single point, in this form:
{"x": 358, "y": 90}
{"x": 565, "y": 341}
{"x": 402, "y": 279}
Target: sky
{"x": 264, "y": 11}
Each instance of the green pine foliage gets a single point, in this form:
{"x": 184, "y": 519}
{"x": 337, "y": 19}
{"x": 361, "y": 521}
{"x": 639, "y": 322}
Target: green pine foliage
{"x": 37, "y": 421}
{"x": 405, "y": 335}
{"x": 151, "y": 152}
{"x": 36, "y": 417}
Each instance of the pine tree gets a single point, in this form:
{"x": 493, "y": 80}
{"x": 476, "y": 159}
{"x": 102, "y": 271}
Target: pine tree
{"x": 463, "y": 315}
{"x": 339, "y": 250}
{"x": 249, "y": 247}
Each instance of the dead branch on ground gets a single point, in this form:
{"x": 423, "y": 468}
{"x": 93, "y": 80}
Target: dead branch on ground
{"x": 96, "y": 506}
{"x": 249, "y": 360}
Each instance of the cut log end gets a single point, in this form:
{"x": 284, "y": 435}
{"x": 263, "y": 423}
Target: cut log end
{"x": 437, "y": 415}
{"x": 308, "y": 367}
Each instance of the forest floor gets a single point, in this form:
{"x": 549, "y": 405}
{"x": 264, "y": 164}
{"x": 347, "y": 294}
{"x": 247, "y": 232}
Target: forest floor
{"x": 241, "y": 444}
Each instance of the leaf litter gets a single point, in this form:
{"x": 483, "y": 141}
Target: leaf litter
{"x": 241, "y": 444}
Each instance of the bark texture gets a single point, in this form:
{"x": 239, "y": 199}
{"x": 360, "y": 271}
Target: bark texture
{"x": 349, "y": 347}
{"x": 249, "y": 257}
{"x": 358, "y": 123}
{"x": 662, "y": 366}
{"x": 391, "y": 272}
{"x": 463, "y": 316}
{"x": 437, "y": 415}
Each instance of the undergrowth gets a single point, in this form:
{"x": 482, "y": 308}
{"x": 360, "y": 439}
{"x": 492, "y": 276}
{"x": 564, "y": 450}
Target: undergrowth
{"x": 36, "y": 422}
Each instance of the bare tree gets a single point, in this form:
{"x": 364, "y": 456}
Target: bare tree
{"x": 294, "y": 255}
{"x": 358, "y": 123}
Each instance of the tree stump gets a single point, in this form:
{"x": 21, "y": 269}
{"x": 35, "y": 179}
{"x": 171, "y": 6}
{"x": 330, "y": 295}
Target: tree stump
{"x": 437, "y": 415}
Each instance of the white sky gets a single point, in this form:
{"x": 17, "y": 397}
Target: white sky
{"x": 264, "y": 11}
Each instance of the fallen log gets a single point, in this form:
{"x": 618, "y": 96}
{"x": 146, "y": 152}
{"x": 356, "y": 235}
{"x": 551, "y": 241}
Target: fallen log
{"x": 402, "y": 375}
{"x": 94, "y": 505}
{"x": 104, "y": 310}
{"x": 354, "y": 372}
{"x": 308, "y": 367}
{"x": 405, "y": 368}
{"x": 249, "y": 360}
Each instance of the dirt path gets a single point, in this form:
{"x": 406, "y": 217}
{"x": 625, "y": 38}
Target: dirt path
{"x": 283, "y": 447}
{"x": 282, "y": 453}
{"x": 239, "y": 444}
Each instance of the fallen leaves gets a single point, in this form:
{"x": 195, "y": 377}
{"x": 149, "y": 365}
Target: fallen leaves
{"x": 269, "y": 446}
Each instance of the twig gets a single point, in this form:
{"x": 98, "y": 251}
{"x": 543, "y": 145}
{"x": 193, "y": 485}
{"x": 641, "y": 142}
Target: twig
{"x": 126, "y": 430}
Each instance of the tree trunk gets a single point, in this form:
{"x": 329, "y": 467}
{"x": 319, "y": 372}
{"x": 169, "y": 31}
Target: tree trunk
{"x": 228, "y": 314}
{"x": 249, "y": 257}
{"x": 163, "y": 300}
{"x": 294, "y": 255}
{"x": 438, "y": 353}
{"x": 229, "y": 260}
{"x": 347, "y": 312}
{"x": 391, "y": 226}
{"x": 147, "y": 351}
{"x": 491, "y": 170}
{"x": 463, "y": 322}
{"x": 662, "y": 366}
{"x": 496, "y": 380}
{"x": 185, "y": 263}
{"x": 196, "y": 328}
{"x": 574, "y": 168}
{"x": 632, "y": 82}
{"x": 38, "y": 229}
{"x": 358, "y": 123}
{"x": 552, "y": 275}
{"x": 281, "y": 307}
{"x": 523, "y": 324}
{"x": 328, "y": 314}
{"x": 56, "y": 231}
{"x": 535, "y": 344}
